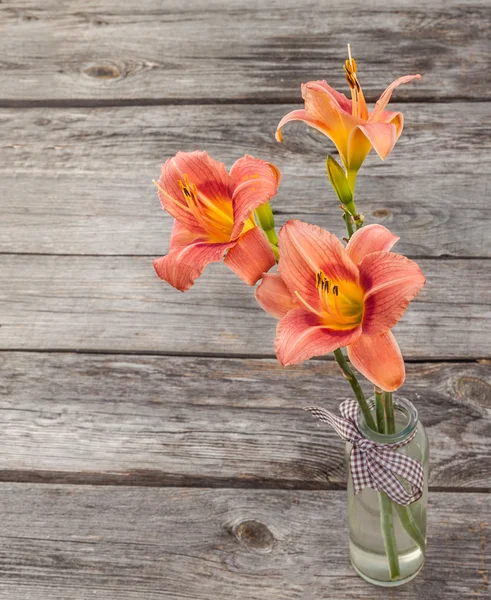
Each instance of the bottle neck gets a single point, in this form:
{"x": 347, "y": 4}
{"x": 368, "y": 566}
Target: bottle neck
{"x": 406, "y": 418}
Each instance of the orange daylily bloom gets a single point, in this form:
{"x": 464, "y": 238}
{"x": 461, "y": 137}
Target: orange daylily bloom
{"x": 214, "y": 215}
{"x": 348, "y": 123}
{"x": 328, "y": 297}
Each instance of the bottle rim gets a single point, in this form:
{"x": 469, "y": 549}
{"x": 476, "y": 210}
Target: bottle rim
{"x": 402, "y": 406}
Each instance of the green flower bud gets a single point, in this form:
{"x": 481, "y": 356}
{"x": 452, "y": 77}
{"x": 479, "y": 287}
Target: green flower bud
{"x": 339, "y": 181}
{"x": 265, "y": 219}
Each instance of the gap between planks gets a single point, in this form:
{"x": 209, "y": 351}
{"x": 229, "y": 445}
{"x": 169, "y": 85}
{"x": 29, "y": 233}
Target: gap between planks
{"x": 152, "y": 256}
{"x": 147, "y": 478}
{"x": 217, "y": 355}
{"x": 129, "y": 102}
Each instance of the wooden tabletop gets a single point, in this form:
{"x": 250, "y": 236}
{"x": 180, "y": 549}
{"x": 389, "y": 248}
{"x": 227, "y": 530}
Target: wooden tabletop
{"x": 151, "y": 445}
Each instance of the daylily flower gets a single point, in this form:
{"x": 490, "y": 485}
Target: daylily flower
{"x": 328, "y": 297}
{"x": 213, "y": 212}
{"x": 348, "y": 123}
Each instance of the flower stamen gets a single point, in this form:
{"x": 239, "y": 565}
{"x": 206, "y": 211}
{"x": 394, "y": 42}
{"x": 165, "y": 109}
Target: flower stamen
{"x": 307, "y": 305}
{"x": 171, "y": 198}
{"x": 206, "y": 212}
{"x": 358, "y": 104}
{"x": 344, "y": 307}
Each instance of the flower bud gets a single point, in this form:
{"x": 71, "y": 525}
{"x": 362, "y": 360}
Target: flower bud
{"x": 339, "y": 181}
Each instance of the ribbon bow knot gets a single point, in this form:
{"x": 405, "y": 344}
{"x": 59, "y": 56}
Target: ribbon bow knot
{"x": 363, "y": 445}
{"x": 375, "y": 465}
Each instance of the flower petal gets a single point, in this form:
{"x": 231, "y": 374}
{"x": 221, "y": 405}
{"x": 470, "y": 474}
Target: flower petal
{"x": 182, "y": 237}
{"x": 301, "y": 335}
{"x": 396, "y": 118}
{"x": 172, "y": 199}
{"x": 371, "y": 238}
{"x": 295, "y": 115}
{"x": 358, "y": 146}
{"x": 327, "y": 111}
{"x": 390, "y": 282}
{"x": 323, "y": 108}
{"x": 305, "y": 250}
{"x": 183, "y": 265}
{"x": 273, "y": 296}
{"x": 276, "y": 173}
{"x": 382, "y": 136}
{"x": 385, "y": 97}
{"x": 256, "y": 181}
{"x": 340, "y": 100}
{"x": 379, "y": 359}
{"x": 209, "y": 176}
{"x": 251, "y": 256}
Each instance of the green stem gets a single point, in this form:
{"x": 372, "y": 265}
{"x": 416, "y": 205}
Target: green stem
{"x": 355, "y": 386}
{"x": 349, "y": 224}
{"x": 379, "y": 411}
{"x": 387, "y": 524}
{"x": 410, "y": 526}
{"x": 404, "y": 512}
{"x": 386, "y": 514}
{"x": 386, "y": 517}
{"x": 389, "y": 411}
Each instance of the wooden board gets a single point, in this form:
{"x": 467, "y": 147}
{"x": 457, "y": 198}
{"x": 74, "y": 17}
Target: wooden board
{"x": 231, "y": 49}
{"x": 80, "y": 542}
{"x": 146, "y": 420}
{"x": 118, "y": 303}
{"x": 78, "y": 181}
{"x": 212, "y": 483}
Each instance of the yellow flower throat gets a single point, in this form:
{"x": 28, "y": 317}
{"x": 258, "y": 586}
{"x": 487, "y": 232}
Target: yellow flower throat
{"x": 342, "y": 302}
{"x": 215, "y": 216}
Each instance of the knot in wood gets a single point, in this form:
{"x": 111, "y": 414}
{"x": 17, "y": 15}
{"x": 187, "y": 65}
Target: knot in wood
{"x": 102, "y": 72}
{"x": 381, "y": 212}
{"x": 255, "y": 536}
{"x": 474, "y": 390}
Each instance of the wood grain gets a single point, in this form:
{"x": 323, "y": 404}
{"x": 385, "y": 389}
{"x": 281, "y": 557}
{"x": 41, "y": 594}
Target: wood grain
{"x": 219, "y": 50}
{"x": 78, "y": 181}
{"x": 118, "y": 303}
{"x": 169, "y": 414}
{"x": 146, "y": 420}
{"x": 80, "y": 542}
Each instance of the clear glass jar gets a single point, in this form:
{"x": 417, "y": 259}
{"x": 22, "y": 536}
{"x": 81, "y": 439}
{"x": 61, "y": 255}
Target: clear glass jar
{"x": 370, "y": 511}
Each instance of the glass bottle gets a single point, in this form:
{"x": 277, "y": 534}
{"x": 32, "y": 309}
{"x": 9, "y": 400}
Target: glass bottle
{"x": 397, "y": 556}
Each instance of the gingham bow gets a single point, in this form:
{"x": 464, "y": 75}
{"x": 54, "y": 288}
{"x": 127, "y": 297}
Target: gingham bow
{"x": 375, "y": 465}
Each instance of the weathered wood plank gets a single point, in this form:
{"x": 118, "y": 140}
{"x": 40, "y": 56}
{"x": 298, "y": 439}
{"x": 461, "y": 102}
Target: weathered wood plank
{"x": 78, "y": 542}
{"x": 238, "y": 50}
{"x": 118, "y": 303}
{"x": 78, "y": 181}
{"x": 146, "y": 420}
{"x": 116, "y": 214}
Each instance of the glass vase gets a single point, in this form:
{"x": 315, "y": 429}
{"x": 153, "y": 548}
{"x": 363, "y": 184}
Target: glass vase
{"x": 387, "y": 541}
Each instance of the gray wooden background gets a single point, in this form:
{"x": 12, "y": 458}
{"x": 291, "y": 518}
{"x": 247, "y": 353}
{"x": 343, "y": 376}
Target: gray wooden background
{"x": 151, "y": 446}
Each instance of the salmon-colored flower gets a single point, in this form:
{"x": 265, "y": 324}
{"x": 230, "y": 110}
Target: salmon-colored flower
{"x": 214, "y": 215}
{"x": 348, "y": 123}
{"x": 328, "y": 297}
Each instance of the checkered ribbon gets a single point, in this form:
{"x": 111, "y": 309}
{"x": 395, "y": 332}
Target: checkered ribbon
{"x": 375, "y": 465}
